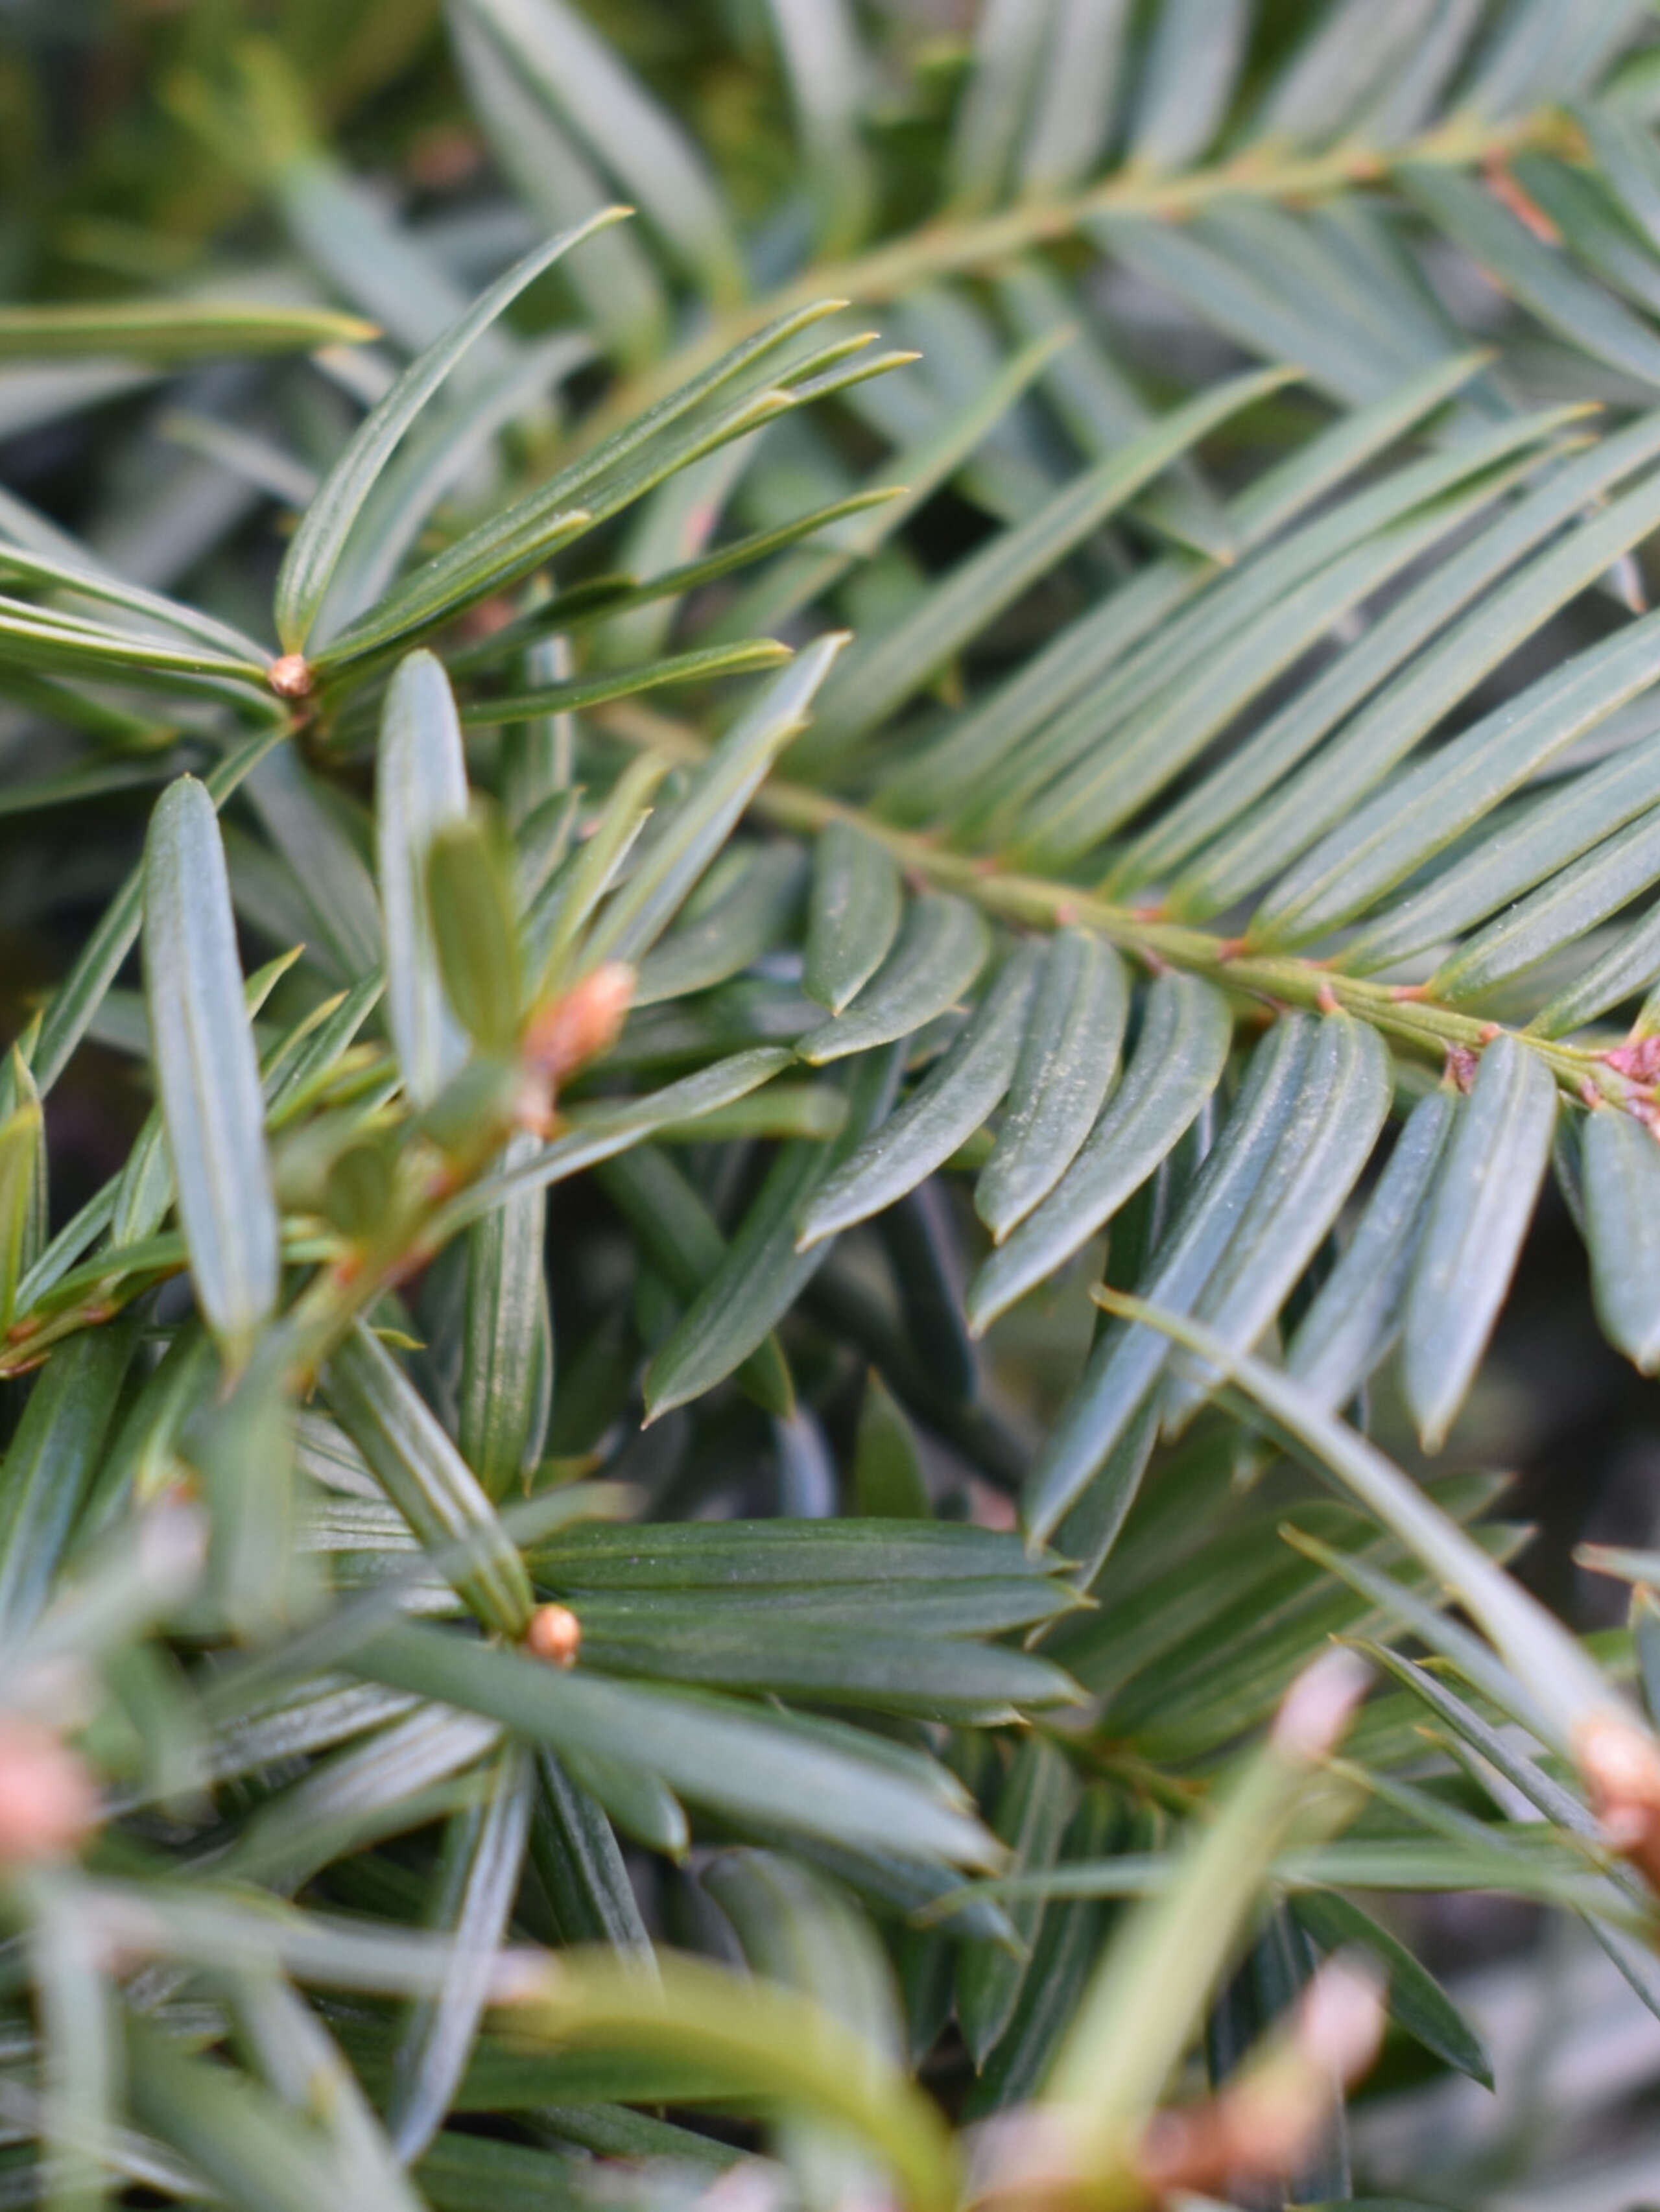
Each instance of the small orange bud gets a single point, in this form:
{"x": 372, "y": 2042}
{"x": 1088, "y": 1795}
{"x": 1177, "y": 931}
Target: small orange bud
{"x": 48, "y": 1805}
{"x": 1319, "y": 1706}
{"x": 1620, "y": 1763}
{"x": 569, "y": 1030}
{"x": 555, "y": 1633}
{"x": 289, "y": 676}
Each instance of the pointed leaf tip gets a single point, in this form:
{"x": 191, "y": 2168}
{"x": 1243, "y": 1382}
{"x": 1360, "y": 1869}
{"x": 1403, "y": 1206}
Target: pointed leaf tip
{"x": 316, "y": 548}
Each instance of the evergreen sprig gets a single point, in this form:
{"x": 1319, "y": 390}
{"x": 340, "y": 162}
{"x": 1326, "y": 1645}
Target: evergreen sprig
{"x": 521, "y": 1476}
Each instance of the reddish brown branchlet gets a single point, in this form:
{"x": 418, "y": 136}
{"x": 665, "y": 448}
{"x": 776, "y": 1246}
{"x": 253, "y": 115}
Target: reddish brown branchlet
{"x": 1511, "y": 193}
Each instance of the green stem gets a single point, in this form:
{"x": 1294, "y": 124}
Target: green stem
{"x": 1278, "y": 978}
{"x": 958, "y": 245}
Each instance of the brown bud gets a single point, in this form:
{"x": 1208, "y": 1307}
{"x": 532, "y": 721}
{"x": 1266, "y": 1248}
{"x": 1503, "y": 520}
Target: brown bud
{"x": 582, "y": 1024}
{"x": 1620, "y": 1763}
{"x": 486, "y": 616}
{"x": 48, "y": 1805}
{"x": 1264, "y": 2122}
{"x": 1025, "y": 2159}
{"x": 554, "y": 1634}
{"x": 444, "y": 156}
{"x": 289, "y": 676}
{"x": 1461, "y": 1066}
{"x": 1319, "y": 1706}
{"x": 1341, "y": 2018}
{"x": 1638, "y": 1060}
